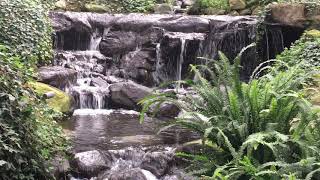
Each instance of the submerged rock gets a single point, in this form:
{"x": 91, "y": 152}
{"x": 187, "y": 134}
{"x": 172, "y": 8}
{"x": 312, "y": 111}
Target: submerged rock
{"x": 128, "y": 94}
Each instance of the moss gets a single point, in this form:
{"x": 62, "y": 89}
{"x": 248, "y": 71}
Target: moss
{"x": 96, "y": 8}
{"x": 313, "y": 33}
{"x": 60, "y": 102}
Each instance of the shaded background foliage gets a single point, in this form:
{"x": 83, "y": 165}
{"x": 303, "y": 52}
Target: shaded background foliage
{"x": 26, "y": 29}
{"x": 29, "y": 134}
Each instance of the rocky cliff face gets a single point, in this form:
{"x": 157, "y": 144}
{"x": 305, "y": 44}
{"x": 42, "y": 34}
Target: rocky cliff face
{"x": 151, "y": 49}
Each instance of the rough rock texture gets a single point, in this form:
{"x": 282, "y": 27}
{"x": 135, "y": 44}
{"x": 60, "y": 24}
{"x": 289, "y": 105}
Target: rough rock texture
{"x": 147, "y": 49}
{"x": 57, "y": 76}
{"x": 127, "y": 174}
{"x": 156, "y": 163}
{"x": 237, "y": 4}
{"x": 289, "y": 14}
{"x": 163, "y": 9}
{"x": 128, "y": 94}
{"x": 90, "y": 163}
{"x": 60, "y": 166}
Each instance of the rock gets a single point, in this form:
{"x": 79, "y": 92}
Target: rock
{"x": 118, "y": 43}
{"x": 91, "y": 163}
{"x": 214, "y": 11}
{"x": 257, "y": 10}
{"x": 57, "y": 76}
{"x": 128, "y": 94}
{"x": 60, "y": 166}
{"x": 61, "y": 4}
{"x": 245, "y": 12}
{"x": 99, "y": 82}
{"x": 156, "y": 162}
{"x": 139, "y": 65}
{"x": 96, "y": 8}
{"x": 61, "y": 102}
{"x": 163, "y": 9}
{"x": 288, "y": 14}
{"x": 166, "y": 110}
{"x": 237, "y": 4}
{"x": 186, "y": 3}
{"x": 127, "y": 174}
{"x": 234, "y": 13}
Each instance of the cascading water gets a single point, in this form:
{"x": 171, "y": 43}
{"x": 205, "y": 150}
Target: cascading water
{"x": 110, "y": 49}
{"x": 180, "y": 60}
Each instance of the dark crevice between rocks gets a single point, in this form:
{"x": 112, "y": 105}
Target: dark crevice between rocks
{"x": 72, "y": 39}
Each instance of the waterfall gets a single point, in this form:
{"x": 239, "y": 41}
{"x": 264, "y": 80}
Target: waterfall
{"x": 180, "y": 60}
{"x": 95, "y": 40}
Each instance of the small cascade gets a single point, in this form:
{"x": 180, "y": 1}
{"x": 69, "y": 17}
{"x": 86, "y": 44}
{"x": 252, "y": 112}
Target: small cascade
{"x": 95, "y": 40}
{"x": 180, "y": 60}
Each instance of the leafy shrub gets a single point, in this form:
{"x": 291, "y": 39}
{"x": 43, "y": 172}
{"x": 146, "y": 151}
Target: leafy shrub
{"x": 28, "y": 133}
{"x": 305, "y": 49}
{"x": 25, "y": 28}
{"x": 124, "y": 6}
{"x": 205, "y": 6}
{"x": 264, "y": 129}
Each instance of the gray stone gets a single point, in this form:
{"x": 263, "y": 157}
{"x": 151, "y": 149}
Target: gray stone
{"x": 127, "y": 174}
{"x": 156, "y": 162}
{"x": 118, "y": 43}
{"x": 237, "y": 4}
{"x": 60, "y": 166}
{"x": 91, "y": 163}
{"x": 57, "y": 76}
{"x": 128, "y": 94}
{"x": 163, "y": 9}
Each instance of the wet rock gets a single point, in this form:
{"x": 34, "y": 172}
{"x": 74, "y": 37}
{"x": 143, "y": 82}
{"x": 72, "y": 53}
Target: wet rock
{"x": 245, "y": 12}
{"x": 90, "y": 163}
{"x": 139, "y": 65}
{"x": 163, "y": 9}
{"x": 127, "y": 174}
{"x": 99, "y": 82}
{"x": 128, "y": 94}
{"x": 63, "y": 21}
{"x": 167, "y": 110}
{"x": 186, "y": 3}
{"x": 118, "y": 42}
{"x": 57, "y": 76}
{"x": 156, "y": 162}
{"x": 60, "y": 167}
{"x": 237, "y": 4}
{"x": 288, "y": 14}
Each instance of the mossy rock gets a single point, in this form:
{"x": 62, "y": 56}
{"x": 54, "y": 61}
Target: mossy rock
{"x": 96, "y": 8}
{"x": 60, "y": 102}
{"x": 313, "y": 33}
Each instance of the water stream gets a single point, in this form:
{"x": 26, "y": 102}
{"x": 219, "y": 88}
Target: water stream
{"x": 150, "y": 49}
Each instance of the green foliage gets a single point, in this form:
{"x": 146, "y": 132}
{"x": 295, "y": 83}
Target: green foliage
{"x": 29, "y": 136}
{"x": 209, "y": 6}
{"x": 118, "y": 6}
{"x": 25, "y": 28}
{"x": 263, "y": 129}
{"x": 305, "y": 49}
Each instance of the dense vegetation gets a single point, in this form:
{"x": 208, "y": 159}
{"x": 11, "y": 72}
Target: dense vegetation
{"x": 264, "y": 129}
{"x": 29, "y": 135}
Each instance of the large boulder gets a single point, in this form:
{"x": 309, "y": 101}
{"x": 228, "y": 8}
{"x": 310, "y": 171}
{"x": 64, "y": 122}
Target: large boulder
{"x": 60, "y": 101}
{"x": 118, "y": 43}
{"x": 288, "y": 14}
{"x": 91, "y": 163}
{"x": 57, "y": 76}
{"x": 128, "y": 94}
{"x": 237, "y": 4}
